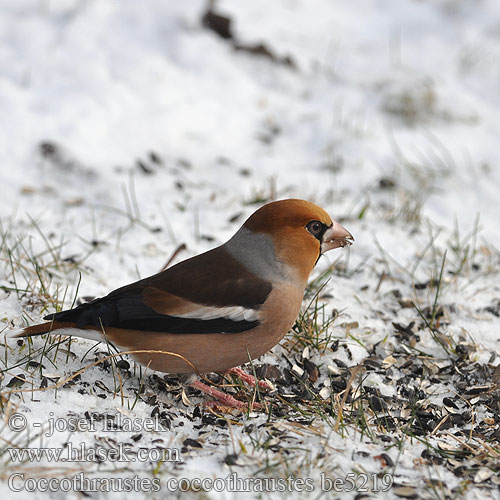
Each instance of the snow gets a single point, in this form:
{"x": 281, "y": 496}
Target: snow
{"x": 403, "y": 90}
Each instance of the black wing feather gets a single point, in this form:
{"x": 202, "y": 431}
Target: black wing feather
{"x": 125, "y": 307}
{"x": 132, "y": 313}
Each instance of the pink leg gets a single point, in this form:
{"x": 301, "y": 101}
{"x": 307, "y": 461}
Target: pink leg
{"x": 225, "y": 399}
{"x": 249, "y": 379}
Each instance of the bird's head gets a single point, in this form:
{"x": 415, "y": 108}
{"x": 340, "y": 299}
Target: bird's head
{"x": 300, "y": 232}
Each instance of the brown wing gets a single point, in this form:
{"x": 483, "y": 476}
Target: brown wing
{"x": 182, "y": 299}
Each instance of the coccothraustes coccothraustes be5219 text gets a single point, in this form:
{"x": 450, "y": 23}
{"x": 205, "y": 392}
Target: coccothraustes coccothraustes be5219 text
{"x": 218, "y": 309}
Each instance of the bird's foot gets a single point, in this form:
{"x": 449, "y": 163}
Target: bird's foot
{"x": 250, "y": 379}
{"x": 222, "y": 397}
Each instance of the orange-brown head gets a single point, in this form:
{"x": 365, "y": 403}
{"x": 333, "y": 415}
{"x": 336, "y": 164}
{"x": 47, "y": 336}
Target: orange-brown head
{"x": 300, "y": 231}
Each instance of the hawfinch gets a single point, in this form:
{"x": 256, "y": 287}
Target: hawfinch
{"x": 218, "y": 309}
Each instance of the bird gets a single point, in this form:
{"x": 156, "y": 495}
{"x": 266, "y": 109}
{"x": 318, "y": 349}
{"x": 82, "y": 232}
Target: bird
{"x": 217, "y": 310}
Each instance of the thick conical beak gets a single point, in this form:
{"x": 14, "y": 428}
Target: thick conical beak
{"x": 335, "y": 236}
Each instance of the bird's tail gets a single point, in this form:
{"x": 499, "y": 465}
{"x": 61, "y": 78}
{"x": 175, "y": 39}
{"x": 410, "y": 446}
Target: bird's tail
{"x": 51, "y": 326}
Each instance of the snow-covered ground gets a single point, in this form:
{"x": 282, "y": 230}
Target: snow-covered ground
{"x": 127, "y": 128}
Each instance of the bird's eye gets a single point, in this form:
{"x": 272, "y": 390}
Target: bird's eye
{"x": 315, "y": 227}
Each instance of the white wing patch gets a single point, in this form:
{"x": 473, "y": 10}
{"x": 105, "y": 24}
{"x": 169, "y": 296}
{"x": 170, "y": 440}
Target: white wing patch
{"x": 234, "y": 313}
